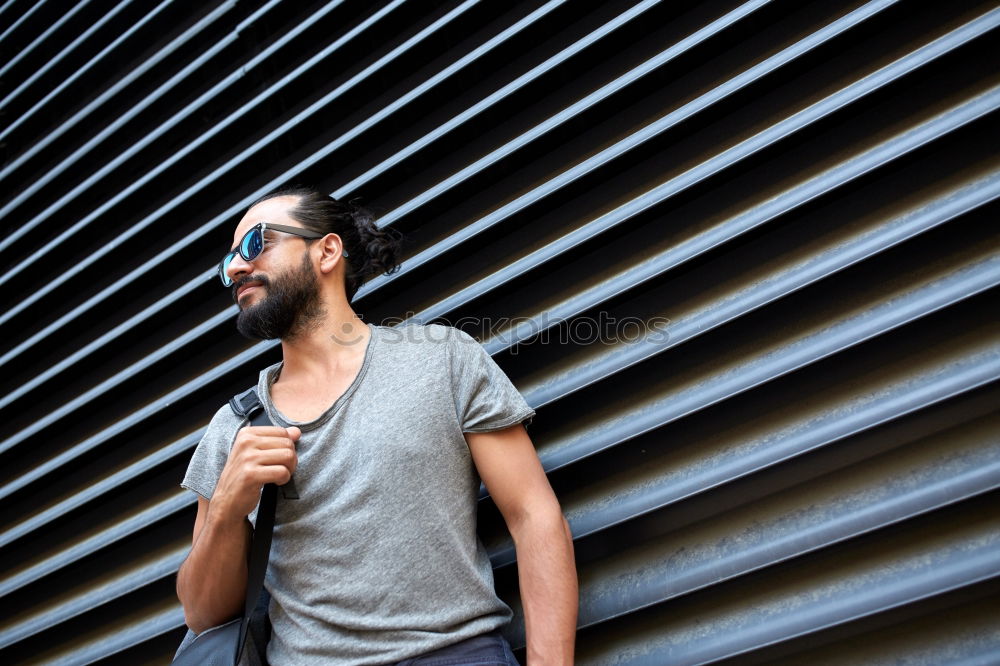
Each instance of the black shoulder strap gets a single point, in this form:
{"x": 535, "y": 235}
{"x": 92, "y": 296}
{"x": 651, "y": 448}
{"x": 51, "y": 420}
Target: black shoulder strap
{"x": 247, "y": 405}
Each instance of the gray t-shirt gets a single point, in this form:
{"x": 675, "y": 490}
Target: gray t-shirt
{"x": 379, "y": 560}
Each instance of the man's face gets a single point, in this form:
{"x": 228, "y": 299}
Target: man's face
{"x": 278, "y": 292}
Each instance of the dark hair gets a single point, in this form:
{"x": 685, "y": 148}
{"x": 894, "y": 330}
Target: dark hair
{"x": 370, "y": 250}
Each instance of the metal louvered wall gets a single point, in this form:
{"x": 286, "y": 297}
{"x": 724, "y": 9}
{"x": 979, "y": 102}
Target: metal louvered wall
{"x": 800, "y": 466}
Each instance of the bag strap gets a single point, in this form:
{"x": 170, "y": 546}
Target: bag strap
{"x": 247, "y": 405}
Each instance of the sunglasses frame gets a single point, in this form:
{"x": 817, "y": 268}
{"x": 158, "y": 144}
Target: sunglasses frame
{"x": 261, "y": 227}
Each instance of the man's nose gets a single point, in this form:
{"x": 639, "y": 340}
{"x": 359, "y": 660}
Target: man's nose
{"x": 237, "y": 267}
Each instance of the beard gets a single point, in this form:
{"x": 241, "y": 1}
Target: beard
{"x": 290, "y": 306}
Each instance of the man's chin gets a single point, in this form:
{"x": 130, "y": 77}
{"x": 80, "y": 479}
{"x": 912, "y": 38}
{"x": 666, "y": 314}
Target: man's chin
{"x": 249, "y": 326}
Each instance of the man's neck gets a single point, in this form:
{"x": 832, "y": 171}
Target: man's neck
{"x": 322, "y": 351}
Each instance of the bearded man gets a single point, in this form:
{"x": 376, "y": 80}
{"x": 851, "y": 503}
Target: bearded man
{"x": 387, "y": 432}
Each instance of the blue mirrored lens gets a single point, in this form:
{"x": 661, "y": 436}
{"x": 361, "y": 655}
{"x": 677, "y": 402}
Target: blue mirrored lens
{"x": 252, "y": 244}
{"x": 223, "y": 267}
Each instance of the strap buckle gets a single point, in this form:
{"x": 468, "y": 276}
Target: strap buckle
{"x": 246, "y": 404}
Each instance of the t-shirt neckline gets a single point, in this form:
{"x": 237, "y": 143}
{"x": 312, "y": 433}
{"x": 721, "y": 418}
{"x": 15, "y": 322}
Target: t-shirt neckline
{"x": 269, "y": 375}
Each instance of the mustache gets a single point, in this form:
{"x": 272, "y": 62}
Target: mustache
{"x": 244, "y": 280}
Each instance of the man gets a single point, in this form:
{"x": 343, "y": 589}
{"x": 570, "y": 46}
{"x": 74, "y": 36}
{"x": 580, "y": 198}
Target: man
{"x": 387, "y": 432}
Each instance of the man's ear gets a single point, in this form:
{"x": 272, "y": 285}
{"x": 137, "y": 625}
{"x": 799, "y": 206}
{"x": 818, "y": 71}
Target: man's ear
{"x": 331, "y": 251}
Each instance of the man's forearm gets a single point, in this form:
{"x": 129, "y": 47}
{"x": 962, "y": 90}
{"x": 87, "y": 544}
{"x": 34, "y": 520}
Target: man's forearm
{"x": 549, "y": 590}
{"x": 211, "y": 582}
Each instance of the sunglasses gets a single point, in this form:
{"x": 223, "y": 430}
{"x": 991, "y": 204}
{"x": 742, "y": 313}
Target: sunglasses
{"x": 252, "y": 245}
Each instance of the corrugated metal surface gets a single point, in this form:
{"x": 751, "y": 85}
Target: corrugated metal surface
{"x": 798, "y": 461}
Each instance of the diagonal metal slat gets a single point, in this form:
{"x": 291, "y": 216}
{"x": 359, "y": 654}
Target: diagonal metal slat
{"x": 163, "y": 567}
{"x": 160, "y": 132}
{"x": 135, "y": 418}
{"x": 156, "y": 216}
{"x": 113, "y": 90}
{"x": 98, "y": 542}
{"x": 41, "y": 39}
{"x": 23, "y": 18}
{"x": 981, "y": 105}
{"x": 65, "y": 53}
{"x": 99, "y": 488}
{"x": 373, "y": 284}
{"x": 101, "y": 57}
{"x": 794, "y": 355}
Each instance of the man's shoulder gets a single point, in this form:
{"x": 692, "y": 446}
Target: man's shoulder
{"x": 224, "y": 423}
{"x": 422, "y": 334}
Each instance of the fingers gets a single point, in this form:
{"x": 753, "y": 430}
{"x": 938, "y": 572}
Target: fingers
{"x": 257, "y": 448}
{"x": 266, "y": 437}
{"x": 269, "y": 443}
{"x": 277, "y": 474}
{"x": 283, "y": 456}
{"x": 271, "y": 431}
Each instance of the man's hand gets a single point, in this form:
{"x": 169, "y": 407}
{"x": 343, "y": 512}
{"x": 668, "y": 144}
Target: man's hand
{"x": 260, "y": 454}
{"x": 212, "y": 581}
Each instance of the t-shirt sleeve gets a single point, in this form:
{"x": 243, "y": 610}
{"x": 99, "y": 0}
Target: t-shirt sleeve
{"x": 485, "y": 398}
{"x": 212, "y": 452}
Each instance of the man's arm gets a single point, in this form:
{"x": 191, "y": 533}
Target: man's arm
{"x": 212, "y": 581}
{"x": 513, "y": 475}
